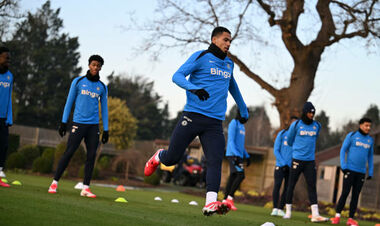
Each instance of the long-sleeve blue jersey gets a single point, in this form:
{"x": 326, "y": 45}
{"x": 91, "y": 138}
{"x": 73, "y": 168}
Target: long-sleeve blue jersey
{"x": 236, "y": 140}
{"x": 86, "y": 95}
{"x": 303, "y": 138}
{"x": 6, "y": 85}
{"x": 282, "y": 151}
{"x": 216, "y": 77}
{"x": 356, "y": 151}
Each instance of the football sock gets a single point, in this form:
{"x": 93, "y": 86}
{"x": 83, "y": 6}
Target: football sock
{"x": 314, "y": 210}
{"x": 211, "y": 196}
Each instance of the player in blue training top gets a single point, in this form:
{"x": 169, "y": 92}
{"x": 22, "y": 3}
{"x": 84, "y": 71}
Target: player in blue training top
{"x": 236, "y": 154}
{"x": 356, "y": 151}
{"x": 210, "y": 78}
{"x": 86, "y": 91}
{"x": 283, "y": 153}
{"x": 6, "y": 84}
{"x": 302, "y": 137}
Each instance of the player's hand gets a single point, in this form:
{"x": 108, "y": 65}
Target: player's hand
{"x": 248, "y": 161}
{"x": 62, "y": 129}
{"x": 243, "y": 120}
{"x": 105, "y": 137}
{"x": 201, "y": 93}
{"x": 369, "y": 178}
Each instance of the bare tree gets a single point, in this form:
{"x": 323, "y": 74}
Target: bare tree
{"x": 8, "y": 11}
{"x": 186, "y": 23}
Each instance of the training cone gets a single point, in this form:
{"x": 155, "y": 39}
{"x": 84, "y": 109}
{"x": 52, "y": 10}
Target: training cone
{"x": 175, "y": 201}
{"x": 157, "y": 198}
{"x": 121, "y": 199}
{"x": 120, "y": 188}
{"x": 79, "y": 186}
{"x": 4, "y": 180}
{"x": 16, "y": 182}
{"x": 268, "y": 224}
{"x": 193, "y": 203}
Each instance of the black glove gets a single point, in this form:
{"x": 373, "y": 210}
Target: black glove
{"x": 62, "y": 129}
{"x": 105, "y": 137}
{"x": 369, "y": 178}
{"x": 248, "y": 160}
{"x": 285, "y": 168}
{"x": 201, "y": 93}
{"x": 243, "y": 120}
{"x": 344, "y": 171}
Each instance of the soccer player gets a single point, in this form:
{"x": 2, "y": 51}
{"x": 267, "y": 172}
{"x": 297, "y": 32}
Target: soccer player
{"x": 85, "y": 91}
{"x": 302, "y": 137}
{"x": 6, "y": 84}
{"x": 356, "y": 151}
{"x": 211, "y": 77}
{"x": 236, "y": 154}
{"x": 283, "y": 154}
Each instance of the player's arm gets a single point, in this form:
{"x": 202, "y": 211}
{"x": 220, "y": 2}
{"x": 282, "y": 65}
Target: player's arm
{"x": 186, "y": 69}
{"x": 70, "y": 101}
{"x": 232, "y": 135}
{"x": 292, "y": 133}
{"x": 277, "y": 148}
{"x": 235, "y": 92}
{"x": 370, "y": 162}
{"x": 9, "y": 121}
{"x": 345, "y": 146}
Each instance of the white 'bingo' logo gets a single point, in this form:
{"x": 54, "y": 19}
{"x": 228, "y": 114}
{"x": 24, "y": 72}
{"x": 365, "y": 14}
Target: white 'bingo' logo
{"x": 360, "y": 144}
{"x": 307, "y": 133}
{"x": 217, "y": 71}
{"x": 91, "y": 94}
{"x": 5, "y": 84}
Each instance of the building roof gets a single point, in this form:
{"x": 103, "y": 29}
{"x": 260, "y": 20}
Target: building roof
{"x": 336, "y": 161}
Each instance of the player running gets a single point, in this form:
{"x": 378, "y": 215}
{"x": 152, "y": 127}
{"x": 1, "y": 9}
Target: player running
{"x": 356, "y": 151}
{"x": 6, "y": 84}
{"x": 283, "y": 153}
{"x": 302, "y": 137}
{"x": 236, "y": 154}
{"x": 211, "y": 77}
{"x": 86, "y": 91}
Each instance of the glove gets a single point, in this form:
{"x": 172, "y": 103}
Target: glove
{"x": 369, "y": 178}
{"x": 248, "y": 160}
{"x": 344, "y": 170}
{"x": 243, "y": 120}
{"x": 105, "y": 137}
{"x": 201, "y": 93}
{"x": 62, "y": 129}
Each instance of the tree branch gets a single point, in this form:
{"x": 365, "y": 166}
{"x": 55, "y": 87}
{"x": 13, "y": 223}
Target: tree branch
{"x": 213, "y": 12}
{"x": 272, "y": 21}
{"x": 253, "y": 75}
{"x": 189, "y": 14}
{"x": 241, "y": 16}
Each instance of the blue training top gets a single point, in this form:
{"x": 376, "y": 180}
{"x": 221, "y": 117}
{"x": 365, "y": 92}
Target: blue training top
{"x": 216, "y": 77}
{"x": 236, "y": 139}
{"x": 303, "y": 138}
{"x": 86, "y": 95}
{"x": 6, "y": 85}
{"x": 282, "y": 151}
{"x": 359, "y": 150}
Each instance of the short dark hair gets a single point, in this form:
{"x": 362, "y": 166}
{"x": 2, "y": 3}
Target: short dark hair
{"x": 95, "y": 58}
{"x": 218, "y": 31}
{"x": 4, "y": 49}
{"x": 364, "y": 119}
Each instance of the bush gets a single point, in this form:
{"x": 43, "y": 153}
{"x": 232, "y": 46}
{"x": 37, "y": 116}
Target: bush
{"x": 43, "y": 165}
{"x": 104, "y": 162}
{"x": 75, "y": 163}
{"x": 14, "y": 143}
{"x": 30, "y": 152}
{"x": 95, "y": 172}
{"x": 48, "y": 153}
{"x": 16, "y": 161}
{"x": 154, "y": 179}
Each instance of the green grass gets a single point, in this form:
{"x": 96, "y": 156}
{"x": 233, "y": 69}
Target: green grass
{"x": 30, "y": 204}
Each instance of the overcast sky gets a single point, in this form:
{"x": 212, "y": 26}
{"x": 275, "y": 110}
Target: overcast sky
{"x": 347, "y": 81}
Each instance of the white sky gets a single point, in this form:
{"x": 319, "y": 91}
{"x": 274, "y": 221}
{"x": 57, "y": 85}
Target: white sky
{"x": 347, "y": 81}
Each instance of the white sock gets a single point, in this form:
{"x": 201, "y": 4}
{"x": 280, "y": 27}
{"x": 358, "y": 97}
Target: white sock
{"x": 86, "y": 186}
{"x": 314, "y": 210}
{"x": 211, "y": 196}
{"x": 275, "y": 209}
{"x": 230, "y": 197}
{"x": 1, "y": 168}
{"x": 288, "y": 208}
{"x": 337, "y": 215}
{"x": 54, "y": 182}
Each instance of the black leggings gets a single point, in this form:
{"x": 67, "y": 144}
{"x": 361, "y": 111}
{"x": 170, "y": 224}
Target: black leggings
{"x": 236, "y": 176}
{"x": 210, "y": 132}
{"x": 356, "y": 181}
{"x": 280, "y": 174}
{"x": 309, "y": 172}
{"x": 4, "y": 134}
{"x": 90, "y": 133}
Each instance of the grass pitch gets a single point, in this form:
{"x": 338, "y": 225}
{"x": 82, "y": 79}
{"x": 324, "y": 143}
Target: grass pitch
{"x": 31, "y": 204}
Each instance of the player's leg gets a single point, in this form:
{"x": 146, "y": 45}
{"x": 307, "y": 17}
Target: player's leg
{"x": 348, "y": 180}
{"x": 356, "y": 189}
{"x": 4, "y": 134}
{"x": 75, "y": 138}
{"x": 239, "y": 177}
{"x": 281, "y": 213}
{"x": 231, "y": 177}
{"x": 294, "y": 174}
{"x": 91, "y": 140}
{"x": 278, "y": 178}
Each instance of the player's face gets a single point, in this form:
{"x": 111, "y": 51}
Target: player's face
{"x": 365, "y": 127}
{"x": 223, "y": 41}
{"x": 95, "y": 67}
{"x": 310, "y": 115}
{"x": 4, "y": 59}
